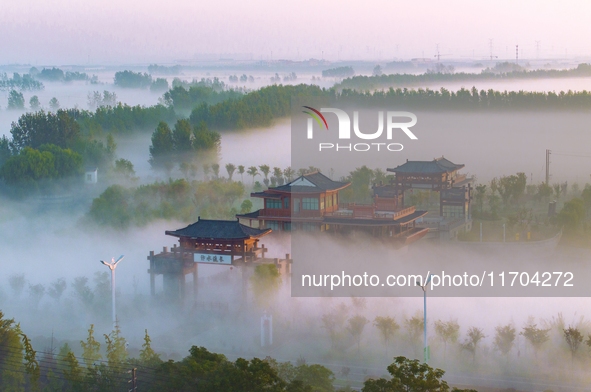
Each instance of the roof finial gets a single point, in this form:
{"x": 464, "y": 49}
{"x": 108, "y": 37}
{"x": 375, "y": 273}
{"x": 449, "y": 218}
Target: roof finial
{"x": 198, "y": 218}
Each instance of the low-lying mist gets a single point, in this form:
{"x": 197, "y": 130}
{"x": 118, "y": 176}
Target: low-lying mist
{"x": 43, "y": 247}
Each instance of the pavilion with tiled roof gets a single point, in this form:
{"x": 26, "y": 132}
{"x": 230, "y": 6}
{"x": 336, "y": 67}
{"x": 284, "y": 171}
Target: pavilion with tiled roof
{"x": 301, "y": 202}
{"x": 439, "y": 175}
{"x": 311, "y": 203}
{"x": 207, "y": 241}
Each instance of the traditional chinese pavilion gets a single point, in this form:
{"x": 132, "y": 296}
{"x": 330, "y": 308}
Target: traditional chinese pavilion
{"x": 213, "y": 242}
{"x": 439, "y": 175}
{"x": 311, "y": 203}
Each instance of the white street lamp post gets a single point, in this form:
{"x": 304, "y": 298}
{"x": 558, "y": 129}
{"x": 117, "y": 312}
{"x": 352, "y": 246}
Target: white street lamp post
{"x": 112, "y": 266}
{"x": 424, "y": 287}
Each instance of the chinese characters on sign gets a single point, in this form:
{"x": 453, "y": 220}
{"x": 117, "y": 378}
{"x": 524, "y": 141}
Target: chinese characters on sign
{"x": 212, "y": 258}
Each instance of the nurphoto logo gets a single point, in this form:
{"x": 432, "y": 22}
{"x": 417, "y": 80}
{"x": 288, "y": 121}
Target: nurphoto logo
{"x": 344, "y": 129}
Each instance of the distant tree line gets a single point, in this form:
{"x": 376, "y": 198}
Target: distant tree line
{"x": 122, "y": 118}
{"x": 243, "y": 78}
{"x": 400, "y": 65}
{"x": 261, "y": 107}
{"x": 21, "y": 82}
{"x": 186, "y": 99}
{"x": 214, "y": 83}
{"x": 121, "y": 208}
{"x": 130, "y": 79}
{"x": 381, "y": 81}
{"x": 155, "y": 69}
{"x": 258, "y": 108}
{"x": 56, "y": 74}
{"x": 339, "y": 72}
{"x": 475, "y": 99}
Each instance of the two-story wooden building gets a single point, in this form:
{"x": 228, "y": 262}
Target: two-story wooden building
{"x": 440, "y": 175}
{"x": 312, "y": 203}
{"x": 298, "y": 205}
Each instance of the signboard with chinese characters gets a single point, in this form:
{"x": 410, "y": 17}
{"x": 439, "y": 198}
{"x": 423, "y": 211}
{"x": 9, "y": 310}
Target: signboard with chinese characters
{"x": 209, "y": 258}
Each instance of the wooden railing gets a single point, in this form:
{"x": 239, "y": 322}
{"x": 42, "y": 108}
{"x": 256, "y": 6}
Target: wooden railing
{"x": 285, "y": 213}
{"x": 348, "y": 212}
{"x": 404, "y": 212}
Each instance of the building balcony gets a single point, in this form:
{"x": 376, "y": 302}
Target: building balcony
{"x": 288, "y": 213}
{"x": 365, "y": 211}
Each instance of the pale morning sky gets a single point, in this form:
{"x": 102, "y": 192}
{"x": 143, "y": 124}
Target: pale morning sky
{"x": 131, "y": 31}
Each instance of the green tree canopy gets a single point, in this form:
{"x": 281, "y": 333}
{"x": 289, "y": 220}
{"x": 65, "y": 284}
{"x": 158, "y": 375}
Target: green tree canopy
{"x": 572, "y": 215}
{"x": 409, "y": 376}
{"x": 181, "y": 136}
{"x": 48, "y": 162}
{"x": 162, "y": 148}
{"x": 16, "y": 100}
{"x": 265, "y": 283}
{"x": 35, "y": 129}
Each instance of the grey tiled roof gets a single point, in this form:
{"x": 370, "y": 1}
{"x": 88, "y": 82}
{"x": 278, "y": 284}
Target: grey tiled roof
{"x": 439, "y": 165}
{"x": 266, "y": 195}
{"x": 320, "y": 181}
{"x": 251, "y": 215}
{"x": 222, "y": 229}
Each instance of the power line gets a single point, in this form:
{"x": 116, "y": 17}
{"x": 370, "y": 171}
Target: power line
{"x": 118, "y": 368}
{"x": 57, "y": 368}
{"x": 572, "y": 155}
{"x": 118, "y": 376}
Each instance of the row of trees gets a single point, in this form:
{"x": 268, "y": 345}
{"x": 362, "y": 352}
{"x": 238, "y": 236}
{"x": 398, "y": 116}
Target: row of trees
{"x": 121, "y": 118}
{"x": 235, "y": 110}
{"x": 23, "y": 368}
{"x": 95, "y": 99}
{"x": 154, "y": 69}
{"x": 16, "y": 101}
{"x": 48, "y": 146}
{"x": 185, "y": 98}
{"x": 339, "y": 72}
{"x": 512, "y": 195}
{"x": 45, "y": 163}
{"x": 473, "y": 99}
{"x": 258, "y": 108}
{"x": 21, "y": 82}
{"x": 181, "y": 144}
{"x": 56, "y": 74}
{"x": 121, "y": 208}
{"x": 130, "y": 79}
{"x": 90, "y": 299}
{"x": 500, "y": 72}
{"x": 214, "y": 83}
{"x": 243, "y": 78}
{"x": 338, "y": 325}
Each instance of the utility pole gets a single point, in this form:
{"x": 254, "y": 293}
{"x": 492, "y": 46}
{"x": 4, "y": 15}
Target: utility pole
{"x": 516, "y": 54}
{"x": 538, "y": 49}
{"x": 490, "y": 46}
{"x": 133, "y": 380}
{"x": 548, "y": 167}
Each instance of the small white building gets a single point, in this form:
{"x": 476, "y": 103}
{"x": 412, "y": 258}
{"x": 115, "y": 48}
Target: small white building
{"x": 91, "y": 175}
